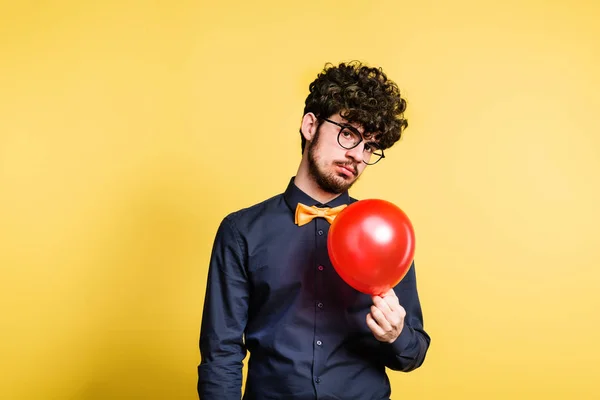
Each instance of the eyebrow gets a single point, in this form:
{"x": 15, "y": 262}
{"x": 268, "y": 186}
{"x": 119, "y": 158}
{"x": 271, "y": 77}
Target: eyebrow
{"x": 346, "y": 125}
{"x": 353, "y": 129}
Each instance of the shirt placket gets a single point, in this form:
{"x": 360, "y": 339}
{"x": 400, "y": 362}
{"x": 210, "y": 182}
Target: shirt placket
{"x": 321, "y": 230}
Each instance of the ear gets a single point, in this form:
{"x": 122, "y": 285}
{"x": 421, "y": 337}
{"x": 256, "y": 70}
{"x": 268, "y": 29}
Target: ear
{"x": 309, "y": 126}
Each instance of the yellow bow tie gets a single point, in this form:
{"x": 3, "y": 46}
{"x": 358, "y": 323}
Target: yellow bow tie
{"x": 305, "y": 214}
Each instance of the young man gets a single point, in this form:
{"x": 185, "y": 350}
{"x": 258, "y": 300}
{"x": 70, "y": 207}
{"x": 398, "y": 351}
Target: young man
{"x": 271, "y": 287}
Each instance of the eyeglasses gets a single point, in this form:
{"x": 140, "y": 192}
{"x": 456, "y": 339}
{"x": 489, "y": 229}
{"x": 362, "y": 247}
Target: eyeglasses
{"x": 349, "y": 138}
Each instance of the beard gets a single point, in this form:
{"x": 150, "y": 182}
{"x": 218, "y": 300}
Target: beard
{"x": 328, "y": 181}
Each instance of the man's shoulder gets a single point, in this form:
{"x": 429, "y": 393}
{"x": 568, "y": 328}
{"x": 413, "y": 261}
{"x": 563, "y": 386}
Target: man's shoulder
{"x": 261, "y": 209}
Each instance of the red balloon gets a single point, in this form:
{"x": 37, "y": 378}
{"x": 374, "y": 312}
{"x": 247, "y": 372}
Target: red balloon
{"x": 371, "y": 245}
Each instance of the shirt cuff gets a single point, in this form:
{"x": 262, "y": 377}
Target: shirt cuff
{"x": 403, "y": 342}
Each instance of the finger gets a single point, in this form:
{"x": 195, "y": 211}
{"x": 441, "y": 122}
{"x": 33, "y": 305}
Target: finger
{"x": 382, "y": 305}
{"x": 381, "y": 319}
{"x": 375, "y": 329}
{"x": 391, "y": 299}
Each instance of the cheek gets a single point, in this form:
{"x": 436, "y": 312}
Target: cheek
{"x": 329, "y": 154}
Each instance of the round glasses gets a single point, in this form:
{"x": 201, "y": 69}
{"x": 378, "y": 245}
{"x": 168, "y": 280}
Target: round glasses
{"x": 349, "y": 137}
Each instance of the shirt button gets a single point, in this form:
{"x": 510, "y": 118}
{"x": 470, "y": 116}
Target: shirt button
{"x": 320, "y": 232}
{"x": 320, "y": 305}
{"x": 318, "y": 380}
{"x": 320, "y": 268}
{"x": 319, "y": 343}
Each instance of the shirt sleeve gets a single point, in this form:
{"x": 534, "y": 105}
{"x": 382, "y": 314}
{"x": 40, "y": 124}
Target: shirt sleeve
{"x": 224, "y": 318}
{"x": 408, "y": 351}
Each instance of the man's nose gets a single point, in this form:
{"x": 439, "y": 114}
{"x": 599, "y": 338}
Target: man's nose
{"x": 356, "y": 153}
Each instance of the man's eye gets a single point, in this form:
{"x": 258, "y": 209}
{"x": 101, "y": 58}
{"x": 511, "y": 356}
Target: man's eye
{"x": 346, "y": 133}
{"x": 369, "y": 148}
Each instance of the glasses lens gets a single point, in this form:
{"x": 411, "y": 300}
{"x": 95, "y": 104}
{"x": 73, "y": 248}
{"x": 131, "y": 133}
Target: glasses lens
{"x": 371, "y": 158}
{"x": 348, "y": 139}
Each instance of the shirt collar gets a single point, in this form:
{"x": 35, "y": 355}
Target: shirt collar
{"x": 293, "y": 195}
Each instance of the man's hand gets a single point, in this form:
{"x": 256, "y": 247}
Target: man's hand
{"x": 386, "y": 318}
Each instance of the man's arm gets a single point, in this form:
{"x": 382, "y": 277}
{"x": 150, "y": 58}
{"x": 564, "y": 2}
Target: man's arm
{"x": 224, "y": 318}
{"x": 407, "y": 352}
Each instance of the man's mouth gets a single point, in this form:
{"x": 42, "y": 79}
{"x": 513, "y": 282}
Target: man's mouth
{"x": 347, "y": 170}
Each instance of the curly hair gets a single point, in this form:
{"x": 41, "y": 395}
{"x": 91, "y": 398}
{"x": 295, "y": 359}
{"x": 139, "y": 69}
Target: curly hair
{"x": 362, "y": 95}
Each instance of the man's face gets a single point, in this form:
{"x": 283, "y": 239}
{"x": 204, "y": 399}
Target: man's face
{"x": 334, "y": 168}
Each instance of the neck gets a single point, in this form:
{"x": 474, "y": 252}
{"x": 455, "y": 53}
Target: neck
{"x": 307, "y": 183}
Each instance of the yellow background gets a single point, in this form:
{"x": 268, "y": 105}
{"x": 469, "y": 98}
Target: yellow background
{"x": 129, "y": 129}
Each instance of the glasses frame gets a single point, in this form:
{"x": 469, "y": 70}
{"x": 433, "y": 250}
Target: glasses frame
{"x": 354, "y": 130}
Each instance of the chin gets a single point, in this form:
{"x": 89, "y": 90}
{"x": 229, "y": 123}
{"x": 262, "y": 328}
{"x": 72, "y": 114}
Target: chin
{"x": 329, "y": 179}
{"x": 343, "y": 182}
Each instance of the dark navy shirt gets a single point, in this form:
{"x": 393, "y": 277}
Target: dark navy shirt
{"x": 272, "y": 291}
